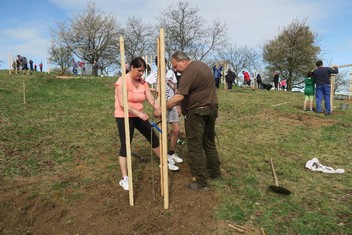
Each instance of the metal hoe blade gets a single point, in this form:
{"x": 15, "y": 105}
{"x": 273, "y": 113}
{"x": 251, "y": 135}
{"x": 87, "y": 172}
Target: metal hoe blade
{"x": 276, "y": 188}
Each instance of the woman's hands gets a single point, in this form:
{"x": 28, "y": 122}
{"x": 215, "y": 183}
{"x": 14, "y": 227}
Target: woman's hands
{"x": 143, "y": 116}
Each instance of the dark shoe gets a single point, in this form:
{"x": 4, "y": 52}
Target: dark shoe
{"x": 327, "y": 114}
{"x": 216, "y": 178}
{"x": 197, "y": 186}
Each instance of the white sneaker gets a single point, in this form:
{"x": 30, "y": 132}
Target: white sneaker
{"x": 124, "y": 183}
{"x": 170, "y": 160}
{"x": 175, "y": 158}
{"x": 172, "y": 167}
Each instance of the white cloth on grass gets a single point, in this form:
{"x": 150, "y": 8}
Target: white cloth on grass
{"x": 315, "y": 165}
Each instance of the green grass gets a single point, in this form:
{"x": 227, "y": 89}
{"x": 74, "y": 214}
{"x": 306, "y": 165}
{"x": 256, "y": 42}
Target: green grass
{"x": 252, "y": 129}
{"x": 65, "y": 124}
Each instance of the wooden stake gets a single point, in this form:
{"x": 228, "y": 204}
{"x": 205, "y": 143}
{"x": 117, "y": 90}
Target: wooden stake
{"x": 162, "y": 91}
{"x": 350, "y": 90}
{"x": 146, "y": 69}
{"x": 127, "y": 125}
{"x": 274, "y": 105}
{"x": 224, "y": 79}
{"x": 235, "y": 228}
{"x": 48, "y": 65}
{"x": 244, "y": 228}
{"x": 332, "y": 88}
{"x": 161, "y": 160}
{"x": 262, "y": 231}
{"x": 9, "y": 61}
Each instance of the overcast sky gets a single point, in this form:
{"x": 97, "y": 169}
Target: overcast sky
{"x": 25, "y": 24}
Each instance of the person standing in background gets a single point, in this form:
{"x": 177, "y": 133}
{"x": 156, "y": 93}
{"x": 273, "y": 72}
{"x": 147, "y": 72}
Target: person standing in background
{"x": 246, "y": 78}
{"x": 95, "y": 67}
{"x": 321, "y": 76}
{"x": 41, "y": 67}
{"x": 217, "y": 74}
{"x": 283, "y": 84}
{"x": 230, "y": 78}
{"x": 308, "y": 92}
{"x": 276, "y": 80}
{"x": 31, "y": 64}
{"x": 259, "y": 81}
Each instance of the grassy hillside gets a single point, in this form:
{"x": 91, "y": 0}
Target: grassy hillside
{"x": 67, "y": 123}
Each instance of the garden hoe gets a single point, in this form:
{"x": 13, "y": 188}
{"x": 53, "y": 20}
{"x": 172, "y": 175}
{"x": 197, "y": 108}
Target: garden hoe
{"x": 276, "y": 188}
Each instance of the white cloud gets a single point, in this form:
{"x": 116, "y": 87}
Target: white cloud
{"x": 21, "y": 33}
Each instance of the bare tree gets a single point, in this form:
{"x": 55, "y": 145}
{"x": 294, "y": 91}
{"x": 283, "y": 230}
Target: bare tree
{"x": 341, "y": 83}
{"x": 140, "y": 38}
{"x": 187, "y": 31}
{"x": 61, "y": 56}
{"x": 241, "y": 58}
{"x": 91, "y": 36}
{"x": 293, "y": 52}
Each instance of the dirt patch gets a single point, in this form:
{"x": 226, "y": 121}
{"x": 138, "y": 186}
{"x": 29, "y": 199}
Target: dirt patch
{"x": 103, "y": 207}
{"x": 306, "y": 118}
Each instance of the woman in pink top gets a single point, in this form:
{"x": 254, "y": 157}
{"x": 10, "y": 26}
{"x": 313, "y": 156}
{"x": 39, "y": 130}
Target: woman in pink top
{"x": 137, "y": 92}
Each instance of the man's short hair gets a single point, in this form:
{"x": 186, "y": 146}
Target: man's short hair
{"x": 319, "y": 63}
{"x": 179, "y": 56}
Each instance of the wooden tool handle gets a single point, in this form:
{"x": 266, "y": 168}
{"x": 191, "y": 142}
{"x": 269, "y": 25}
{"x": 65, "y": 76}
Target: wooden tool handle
{"x": 344, "y": 66}
{"x": 274, "y": 174}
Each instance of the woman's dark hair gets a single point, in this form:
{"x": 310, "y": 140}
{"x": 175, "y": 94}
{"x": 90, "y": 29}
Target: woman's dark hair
{"x": 138, "y": 62}
{"x": 309, "y": 74}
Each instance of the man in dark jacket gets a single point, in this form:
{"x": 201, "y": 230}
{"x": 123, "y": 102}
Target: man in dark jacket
{"x": 22, "y": 62}
{"x": 230, "y": 78}
{"x": 321, "y": 76}
{"x": 276, "y": 80}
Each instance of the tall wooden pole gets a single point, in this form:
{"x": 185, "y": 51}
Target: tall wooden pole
{"x": 48, "y": 65}
{"x": 161, "y": 159}
{"x": 163, "y": 117}
{"x": 332, "y": 88}
{"x": 224, "y": 79}
{"x": 146, "y": 69}
{"x": 126, "y": 119}
{"x": 9, "y": 61}
{"x": 350, "y": 90}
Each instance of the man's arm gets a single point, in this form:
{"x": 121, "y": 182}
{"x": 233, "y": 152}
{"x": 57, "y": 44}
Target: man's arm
{"x": 175, "y": 100}
{"x": 335, "y": 69}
